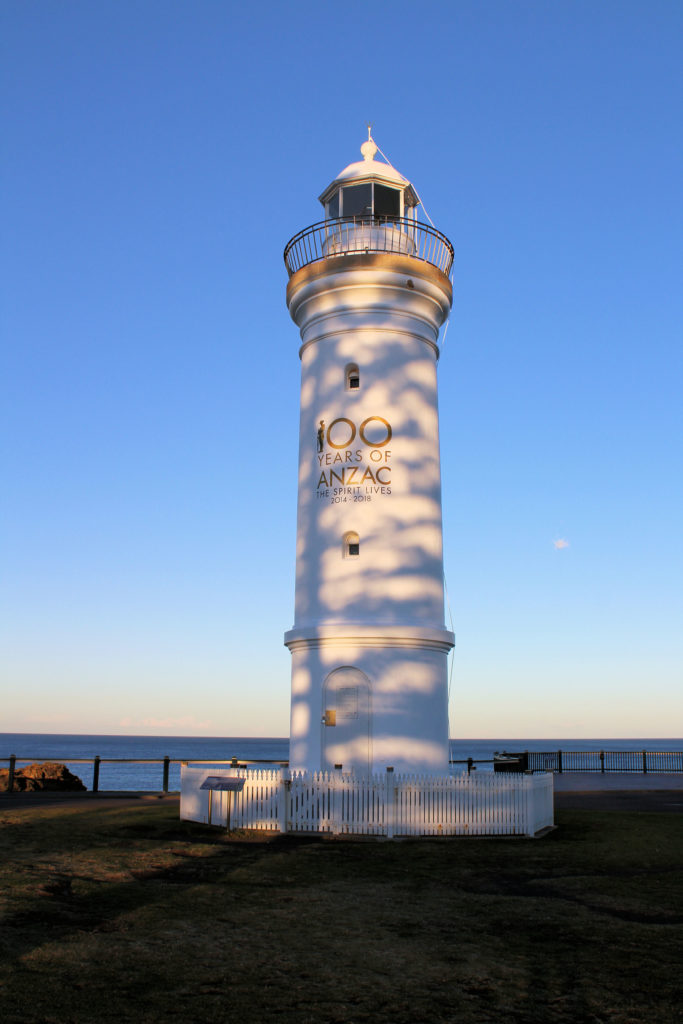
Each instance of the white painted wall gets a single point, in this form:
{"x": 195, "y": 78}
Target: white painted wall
{"x": 382, "y": 612}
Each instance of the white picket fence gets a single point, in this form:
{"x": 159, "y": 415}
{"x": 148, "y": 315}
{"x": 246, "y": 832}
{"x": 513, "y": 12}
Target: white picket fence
{"x": 485, "y": 803}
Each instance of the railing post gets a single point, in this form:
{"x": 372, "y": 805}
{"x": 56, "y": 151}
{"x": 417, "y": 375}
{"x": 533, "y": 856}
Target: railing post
{"x": 559, "y": 762}
{"x": 96, "y": 774}
{"x": 645, "y": 762}
{"x": 469, "y": 765}
{"x": 10, "y": 774}
{"x": 167, "y": 762}
{"x": 602, "y": 761}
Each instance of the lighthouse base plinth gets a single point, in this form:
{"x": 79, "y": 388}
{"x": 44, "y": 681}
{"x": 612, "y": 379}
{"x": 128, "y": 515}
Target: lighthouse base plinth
{"x": 368, "y": 698}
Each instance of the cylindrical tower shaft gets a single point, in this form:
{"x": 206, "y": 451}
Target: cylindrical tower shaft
{"x": 369, "y": 645}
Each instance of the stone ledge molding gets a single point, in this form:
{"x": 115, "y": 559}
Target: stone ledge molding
{"x": 405, "y": 266}
{"x": 315, "y": 331}
{"x": 363, "y": 635}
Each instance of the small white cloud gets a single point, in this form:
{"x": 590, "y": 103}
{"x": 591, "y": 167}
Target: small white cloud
{"x": 560, "y": 543}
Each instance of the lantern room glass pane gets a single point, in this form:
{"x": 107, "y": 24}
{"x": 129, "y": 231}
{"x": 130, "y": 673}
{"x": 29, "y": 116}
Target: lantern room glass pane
{"x": 387, "y": 201}
{"x": 333, "y": 206}
{"x": 357, "y": 201}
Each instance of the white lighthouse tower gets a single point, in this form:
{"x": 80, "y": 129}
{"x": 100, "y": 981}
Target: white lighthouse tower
{"x": 369, "y": 289}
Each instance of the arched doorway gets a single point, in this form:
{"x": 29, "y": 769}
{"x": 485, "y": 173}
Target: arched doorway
{"x": 346, "y": 721}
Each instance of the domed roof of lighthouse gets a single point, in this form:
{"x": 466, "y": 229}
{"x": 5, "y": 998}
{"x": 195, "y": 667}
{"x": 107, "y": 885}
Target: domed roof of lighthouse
{"x": 368, "y": 171}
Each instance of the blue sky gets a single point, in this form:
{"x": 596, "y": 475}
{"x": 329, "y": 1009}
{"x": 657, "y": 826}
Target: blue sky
{"x": 156, "y": 158}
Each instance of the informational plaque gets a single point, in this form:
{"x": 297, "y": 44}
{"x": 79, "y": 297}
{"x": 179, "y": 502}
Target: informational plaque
{"x": 220, "y": 783}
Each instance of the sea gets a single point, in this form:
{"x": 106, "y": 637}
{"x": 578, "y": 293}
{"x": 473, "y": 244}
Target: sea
{"x": 74, "y": 749}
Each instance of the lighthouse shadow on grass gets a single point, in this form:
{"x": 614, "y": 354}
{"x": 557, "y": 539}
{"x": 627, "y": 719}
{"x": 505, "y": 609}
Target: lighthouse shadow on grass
{"x": 127, "y": 914}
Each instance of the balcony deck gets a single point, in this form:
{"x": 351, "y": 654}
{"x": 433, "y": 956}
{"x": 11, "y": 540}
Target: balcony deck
{"x": 344, "y": 235}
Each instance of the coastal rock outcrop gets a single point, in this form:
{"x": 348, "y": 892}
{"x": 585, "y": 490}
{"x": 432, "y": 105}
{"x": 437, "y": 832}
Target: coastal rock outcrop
{"x": 48, "y": 776}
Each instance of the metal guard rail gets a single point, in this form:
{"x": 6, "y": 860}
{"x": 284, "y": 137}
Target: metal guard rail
{"x": 96, "y": 761}
{"x": 603, "y": 761}
{"x": 344, "y": 235}
{"x": 642, "y": 761}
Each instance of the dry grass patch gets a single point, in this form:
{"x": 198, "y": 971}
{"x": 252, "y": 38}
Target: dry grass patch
{"x": 126, "y": 914}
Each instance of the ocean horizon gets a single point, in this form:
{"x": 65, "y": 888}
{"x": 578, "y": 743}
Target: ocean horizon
{"x": 68, "y": 748}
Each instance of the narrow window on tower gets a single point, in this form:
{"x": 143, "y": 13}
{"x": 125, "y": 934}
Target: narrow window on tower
{"x": 352, "y": 377}
{"x": 351, "y": 545}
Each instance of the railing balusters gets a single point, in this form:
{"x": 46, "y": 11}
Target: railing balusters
{"x": 602, "y": 761}
{"x": 331, "y": 238}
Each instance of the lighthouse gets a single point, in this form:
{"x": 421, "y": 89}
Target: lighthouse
{"x": 369, "y": 289}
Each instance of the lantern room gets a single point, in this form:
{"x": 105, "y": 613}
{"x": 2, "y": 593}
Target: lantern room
{"x": 370, "y": 190}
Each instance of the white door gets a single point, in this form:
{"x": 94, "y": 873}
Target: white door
{"x": 346, "y": 721}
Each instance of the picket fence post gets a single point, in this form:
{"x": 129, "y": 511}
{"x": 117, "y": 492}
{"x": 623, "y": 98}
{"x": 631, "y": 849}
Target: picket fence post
{"x": 530, "y": 805}
{"x": 285, "y": 788}
{"x": 390, "y": 803}
{"x": 334, "y": 778}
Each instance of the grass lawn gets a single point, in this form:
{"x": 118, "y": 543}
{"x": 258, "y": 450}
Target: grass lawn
{"x": 123, "y": 913}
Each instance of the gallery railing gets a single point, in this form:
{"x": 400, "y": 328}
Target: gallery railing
{"x": 641, "y": 761}
{"x": 345, "y": 235}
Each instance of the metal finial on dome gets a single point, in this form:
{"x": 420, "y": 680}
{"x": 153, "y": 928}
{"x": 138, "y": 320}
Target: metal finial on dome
{"x": 369, "y": 148}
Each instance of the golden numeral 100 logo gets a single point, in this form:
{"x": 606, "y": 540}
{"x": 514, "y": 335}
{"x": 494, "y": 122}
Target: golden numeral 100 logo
{"x": 351, "y": 426}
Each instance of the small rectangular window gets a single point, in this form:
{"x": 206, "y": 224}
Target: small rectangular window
{"x": 354, "y": 381}
{"x": 351, "y": 545}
